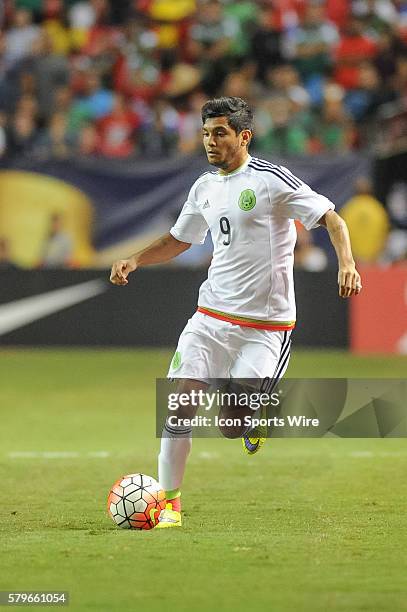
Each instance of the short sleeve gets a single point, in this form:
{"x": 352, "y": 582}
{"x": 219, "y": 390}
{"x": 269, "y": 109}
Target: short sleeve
{"x": 298, "y": 201}
{"x": 190, "y": 226}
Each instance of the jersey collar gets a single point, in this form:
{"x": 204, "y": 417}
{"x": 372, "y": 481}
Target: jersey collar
{"x": 241, "y": 168}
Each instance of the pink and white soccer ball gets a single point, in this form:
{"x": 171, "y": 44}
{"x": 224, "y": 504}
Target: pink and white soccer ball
{"x": 135, "y": 501}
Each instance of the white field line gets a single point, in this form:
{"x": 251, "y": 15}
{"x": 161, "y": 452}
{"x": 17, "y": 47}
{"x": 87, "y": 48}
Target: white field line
{"x": 57, "y": 455}
{"x": 208, "y": 455}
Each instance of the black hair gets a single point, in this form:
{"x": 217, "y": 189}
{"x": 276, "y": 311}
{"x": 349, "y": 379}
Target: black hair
{"x": 238, "y": 113}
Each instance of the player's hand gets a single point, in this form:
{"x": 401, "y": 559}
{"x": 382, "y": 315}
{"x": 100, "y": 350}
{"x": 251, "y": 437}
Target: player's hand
{"x": 120, "y": 271}
{"x": 349, "y": 281}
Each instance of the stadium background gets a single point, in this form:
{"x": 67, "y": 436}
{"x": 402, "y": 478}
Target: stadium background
{"x": 99, "y": 144}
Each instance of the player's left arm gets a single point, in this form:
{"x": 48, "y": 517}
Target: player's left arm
{"x": 349, "y": 280}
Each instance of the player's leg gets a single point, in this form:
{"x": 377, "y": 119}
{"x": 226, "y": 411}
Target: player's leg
{"x": 263, "y": 355}
{"x": 176, "y": 443}
{"x": 201, "y": 355}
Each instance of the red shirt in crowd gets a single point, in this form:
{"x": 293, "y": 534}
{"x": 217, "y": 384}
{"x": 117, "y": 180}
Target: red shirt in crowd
{"x": 351, "y": 51}
{"x": 117, "y": 133}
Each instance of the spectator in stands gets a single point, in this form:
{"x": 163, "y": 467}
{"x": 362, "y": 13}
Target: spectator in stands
{"x": 389, "y": 48}
{"x": 17, "y": 84}
{"x": 56, "y": 141}
{"x": 276, "y": 130}
{"x": 281, "y": 79}
{"x": 101, "y": 33}
{"x": 210, "y": 41}
{"x": 23, "y": 136}
{"x": 63, "y": 97}
{"x": 20, "y": 37}
{"x": 313, "y": 43}
{"x": 58, "y": 245}
{"x": 81, "y": 16}
{"x": 181, "y": 80}
{"x": 396, "y": 200}
{"x": 396, "y": 247}
{"x": 362, "y": 102}
{"x": 180, "y": 110}
{"x": 160, "y": 137}
{"x": 169, "y": 20}
{"x": 190, "y": 123}
{"x": 93, "y": 102}
{"x": 300, "y": 108}
{"x": 266, "y": 43}
{"x": 28, "y": 104}
{"x": 241, "y": 83}
{"x": 333, "y": 128}
{"x": 368, "y": 222}
{"x": 353, "y": 49}
{"x": 244, "y": 14}
{"x": 137, "y": 71}
{"x": 337, "y": 11}
{"x": 49, "y": 70}
{"x": 377, "y": 15}
{"x": 88, "y": 140}
{"x": 23, "y": 83}
{"x": 55, "y": 26}
{"x": 27, "y": 82}
{"x": 117, "y": 130}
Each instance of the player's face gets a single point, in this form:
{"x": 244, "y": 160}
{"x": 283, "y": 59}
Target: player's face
{"x": 225, "y": 149}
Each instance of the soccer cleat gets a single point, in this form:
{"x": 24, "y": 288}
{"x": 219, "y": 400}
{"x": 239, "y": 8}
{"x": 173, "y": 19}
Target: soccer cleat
{"x": 254, "y": 439}
{"x": 252, "y": 445}
{"x": 169, "y": 518}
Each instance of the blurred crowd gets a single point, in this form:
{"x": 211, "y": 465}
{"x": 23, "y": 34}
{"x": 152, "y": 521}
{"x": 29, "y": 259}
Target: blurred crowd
{"x": 122, "y": 79}
{"x": 128, "y": 77}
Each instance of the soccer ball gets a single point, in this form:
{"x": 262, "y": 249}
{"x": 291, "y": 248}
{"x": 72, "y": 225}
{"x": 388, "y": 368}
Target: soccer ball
{"x": 135, "y": 502}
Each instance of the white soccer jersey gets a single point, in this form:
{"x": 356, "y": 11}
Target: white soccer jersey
{"x": 250, "y": 214}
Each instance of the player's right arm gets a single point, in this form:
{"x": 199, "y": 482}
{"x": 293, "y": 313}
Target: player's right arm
{"x": 190, "y": 228}
{"x": 165, "y": 248}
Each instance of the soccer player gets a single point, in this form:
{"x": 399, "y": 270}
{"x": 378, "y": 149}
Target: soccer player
{"x": 246, "y": 307}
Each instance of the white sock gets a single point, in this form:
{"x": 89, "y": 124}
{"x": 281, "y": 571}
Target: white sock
{"x": 175, "y": 448}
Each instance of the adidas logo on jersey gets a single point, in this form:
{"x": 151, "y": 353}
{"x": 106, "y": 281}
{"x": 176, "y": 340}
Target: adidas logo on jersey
{"x": 206, "y": 205}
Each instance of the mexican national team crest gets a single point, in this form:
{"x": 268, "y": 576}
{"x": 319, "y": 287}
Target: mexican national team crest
{"x": 247, "y": 199}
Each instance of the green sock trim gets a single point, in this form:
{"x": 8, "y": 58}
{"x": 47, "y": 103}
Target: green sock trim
{"x": 173, "y": 494}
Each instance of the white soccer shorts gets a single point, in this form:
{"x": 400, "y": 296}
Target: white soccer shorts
{"x": 211, "y": 349}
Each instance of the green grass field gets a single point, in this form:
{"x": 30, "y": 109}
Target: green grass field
{"x": 305, "y": 525}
